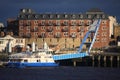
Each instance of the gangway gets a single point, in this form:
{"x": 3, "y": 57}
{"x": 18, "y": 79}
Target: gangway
{"x": 93, "y": 29}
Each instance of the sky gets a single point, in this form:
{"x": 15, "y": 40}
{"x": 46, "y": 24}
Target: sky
{"x": 11, "y": 8}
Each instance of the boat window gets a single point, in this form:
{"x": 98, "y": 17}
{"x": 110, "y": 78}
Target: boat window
{"x": 38, "y": 60}
{"x": 25, "y": 60}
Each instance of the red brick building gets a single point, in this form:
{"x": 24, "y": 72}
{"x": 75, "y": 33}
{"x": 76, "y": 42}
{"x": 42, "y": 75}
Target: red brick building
{"x": 64, "y": 30}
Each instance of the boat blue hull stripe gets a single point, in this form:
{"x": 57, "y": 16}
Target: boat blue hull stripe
{"x": 25, "y": 64}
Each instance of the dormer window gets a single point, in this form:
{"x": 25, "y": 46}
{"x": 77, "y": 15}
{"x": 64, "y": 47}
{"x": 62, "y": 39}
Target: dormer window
{"x": 51, "y": 16}
{"x": 23, "y": 10}
{"x": 58, "y": 16}
{"x": 43, "y": 16}
{"x": 66, "y": 16}
{"x": 73, "y": 16}
{"x": 103, "y": 16}
{"x": 29, "y": 10}
{"x": 28, "y": 16}
{"x": 36, "y": 16}
{"x": 98, "y": 16}
{"x": 89, "y": 16}
{"x": 21, "y": 16}
{"x": 81, "y": 16}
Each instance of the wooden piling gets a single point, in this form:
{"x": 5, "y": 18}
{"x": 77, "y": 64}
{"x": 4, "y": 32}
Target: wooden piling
{"x": 99, "y": 58}
{"x": 104, "y": 61}
{"x": 93, "y": 63}
{"x": 74, "y": 63}
{"x": 111, "y": 61}
{"x": 118, "y": 61}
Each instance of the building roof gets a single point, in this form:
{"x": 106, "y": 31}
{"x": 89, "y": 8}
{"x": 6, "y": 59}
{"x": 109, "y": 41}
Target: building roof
{"x": 1, "y": 25}
{"x": 30, "y": 15}
{"x": 7, "y": 37}
{"x": 95, "y": 10}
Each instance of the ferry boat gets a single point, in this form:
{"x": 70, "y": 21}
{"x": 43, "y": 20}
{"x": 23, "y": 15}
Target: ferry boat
{"x": 35, "y": 58}
{"x": 31, "y": 59}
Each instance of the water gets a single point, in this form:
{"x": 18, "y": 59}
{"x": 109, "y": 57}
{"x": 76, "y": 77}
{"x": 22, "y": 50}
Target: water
{"x": 60, "y": 73}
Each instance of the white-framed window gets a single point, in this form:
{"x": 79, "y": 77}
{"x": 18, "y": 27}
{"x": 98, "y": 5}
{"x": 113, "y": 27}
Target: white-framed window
{"x": 19, "y": 41}
{"x": 43, "y": 27}
{"x": 50, "y": 22}
{"x": 104, "y": 39}
{"x": 21, "y": 23}
{"x": 21, "y": 34}
{"x": 28, "y": 22}
{"x": 81, "y": 16}
{"x": 89, "y": 22}
{"x": 73, "y": 16}
{"x": 36, "y": 16}
{"x": 57, "y": 27}
{"x": 43, "y": 16}
{"x": 51, "y": 16}
{"x": 98, "y": 16}
{"x": 65, "y": 33}
{"x": 21, "y": 27}
{"x": 28, "y": 27}
{"x": 73, "y": 34}
{"x": 81, "y": 34}
{"x": 73, "y": 27}
{"x": 81, "y": 22}
{"x": 65, "y": 22}
{"x": 103, "y": 21}
{"x": 58, "y": 33}
{"x": 43, "y": 22}
{"x": 66, "y": 16}
{"x": 103, "y": 16}
{"x": 104, "y": 28}
{"x": 50, "y": 33}
{"x": 36, "y": 22}
{"x": 1, "y": 42}
{"x": 58, "y": 22}
{"x": 89, "y": 16}
{"x": 36, "y": 34}
{"x": 73, "y": 22}
{"x": 58, "y": 16}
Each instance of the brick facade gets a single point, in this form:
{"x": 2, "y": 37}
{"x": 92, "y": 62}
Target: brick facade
{"x": 63, "y": 30}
